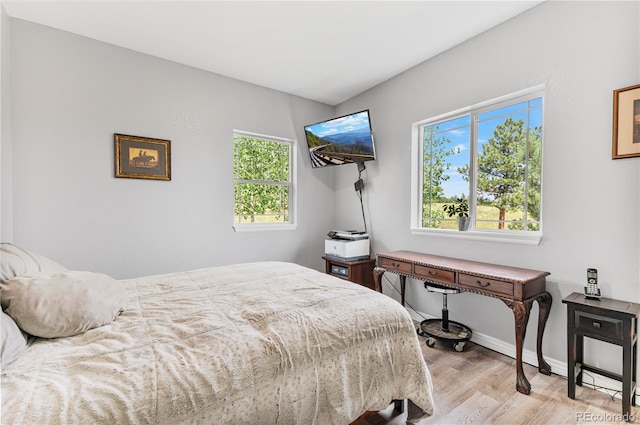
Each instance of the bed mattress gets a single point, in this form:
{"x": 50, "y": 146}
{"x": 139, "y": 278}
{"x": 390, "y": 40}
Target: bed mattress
{"x": 256, "y": 343}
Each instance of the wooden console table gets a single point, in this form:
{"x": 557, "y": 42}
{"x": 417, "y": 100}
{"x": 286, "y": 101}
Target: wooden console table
{"x": 517, "y": 288}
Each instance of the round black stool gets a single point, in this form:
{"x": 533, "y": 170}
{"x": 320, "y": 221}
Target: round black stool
{"x": 444, "y": 329}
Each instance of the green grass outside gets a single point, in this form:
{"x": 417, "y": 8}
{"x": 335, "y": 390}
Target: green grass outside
{"x": 485, "y": 212}
{"x": 261, "y": 219}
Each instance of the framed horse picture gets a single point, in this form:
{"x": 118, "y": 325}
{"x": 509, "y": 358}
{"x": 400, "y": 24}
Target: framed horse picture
{"x": 142, "y": 157}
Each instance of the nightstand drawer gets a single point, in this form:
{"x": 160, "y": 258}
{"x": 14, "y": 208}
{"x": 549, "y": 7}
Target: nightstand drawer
{"x": 599, "y": 325}
{"x": 398, "y": 265}
{"x": 496, "y": 287}
{"x": 435, "y": 274}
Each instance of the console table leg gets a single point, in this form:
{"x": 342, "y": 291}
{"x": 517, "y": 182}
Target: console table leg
{"x": 521, "y": 312}
{"x": 377, "y": 278}
{"x": 544, "y": 305}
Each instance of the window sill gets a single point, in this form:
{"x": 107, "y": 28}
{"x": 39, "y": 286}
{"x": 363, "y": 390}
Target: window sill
{"x": 513, "y": 237}
{"x": 263, "y": 227}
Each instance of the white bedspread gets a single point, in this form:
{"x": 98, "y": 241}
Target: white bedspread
{"x": 257, "y": 343}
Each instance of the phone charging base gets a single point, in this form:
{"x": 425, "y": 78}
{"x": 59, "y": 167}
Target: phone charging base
{"x": 592, "y": 296}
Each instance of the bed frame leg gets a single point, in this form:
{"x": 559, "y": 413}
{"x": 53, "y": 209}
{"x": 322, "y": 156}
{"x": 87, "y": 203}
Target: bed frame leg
{"x": 398, "y": 406}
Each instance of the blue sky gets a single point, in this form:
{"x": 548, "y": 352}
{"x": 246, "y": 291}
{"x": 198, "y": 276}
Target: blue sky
{"x": 457, "y": 131}
{"x": 344, "y": 124}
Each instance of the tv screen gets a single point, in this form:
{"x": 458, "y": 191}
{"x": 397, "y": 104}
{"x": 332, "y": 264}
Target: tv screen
{"x": 341, "y": 140}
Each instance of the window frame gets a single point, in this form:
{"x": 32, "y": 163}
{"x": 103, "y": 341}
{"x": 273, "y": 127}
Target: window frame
{"x": 292, "y": 184}
{"x": 521, "y": 237}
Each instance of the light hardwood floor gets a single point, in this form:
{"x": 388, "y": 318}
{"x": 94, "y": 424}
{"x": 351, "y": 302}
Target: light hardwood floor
{"x": 477, "y": 386}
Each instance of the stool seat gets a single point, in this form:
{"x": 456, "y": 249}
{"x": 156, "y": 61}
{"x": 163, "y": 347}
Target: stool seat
{"x": 444, "y": 329}
{"x": 432, "y": 287}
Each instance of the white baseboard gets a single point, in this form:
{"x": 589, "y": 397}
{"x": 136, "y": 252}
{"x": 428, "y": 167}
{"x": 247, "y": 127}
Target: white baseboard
{"x": 528, "y": 356}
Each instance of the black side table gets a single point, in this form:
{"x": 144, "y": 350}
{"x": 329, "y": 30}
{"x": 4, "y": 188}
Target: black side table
{"x": 608, "y": 320}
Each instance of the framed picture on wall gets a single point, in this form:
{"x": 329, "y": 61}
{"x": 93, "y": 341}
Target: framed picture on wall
{"x": 626, "y": 122}
{"x": 142, "y": 157}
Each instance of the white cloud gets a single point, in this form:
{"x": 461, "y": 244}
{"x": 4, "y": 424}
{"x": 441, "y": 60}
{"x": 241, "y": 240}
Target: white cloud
{"x": 461, "y": 147}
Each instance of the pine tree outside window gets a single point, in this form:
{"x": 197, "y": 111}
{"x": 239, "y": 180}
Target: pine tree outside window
{"x": 264, "y": 177}
{"x": 490, "y": 154}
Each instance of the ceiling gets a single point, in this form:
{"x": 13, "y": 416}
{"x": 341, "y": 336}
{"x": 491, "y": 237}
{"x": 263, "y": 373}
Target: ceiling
{"x": 327, "y": 51}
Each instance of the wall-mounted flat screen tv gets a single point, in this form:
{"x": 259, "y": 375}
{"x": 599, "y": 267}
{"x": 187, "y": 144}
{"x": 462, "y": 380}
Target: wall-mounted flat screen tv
{"x": 342, "y": 140}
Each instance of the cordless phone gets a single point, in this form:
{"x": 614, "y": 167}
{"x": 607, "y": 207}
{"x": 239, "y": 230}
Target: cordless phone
{"x": 591, "y": 290}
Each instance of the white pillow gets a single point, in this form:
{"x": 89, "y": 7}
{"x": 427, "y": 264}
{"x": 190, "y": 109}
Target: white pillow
{"x": 62, "y": 304}
{"x": 16, "y": 261}
{"x": 13, "y": 340}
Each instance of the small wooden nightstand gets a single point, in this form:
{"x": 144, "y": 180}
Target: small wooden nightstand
{"x": 608, "y": 320}
{"x": 359, "y": 271}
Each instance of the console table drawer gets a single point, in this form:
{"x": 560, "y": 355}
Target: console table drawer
{"x": 496, "y": 287}
{"x": 398, "y": 265}
{"x": 435, "y": 274}
{"x": 599, "y": 325}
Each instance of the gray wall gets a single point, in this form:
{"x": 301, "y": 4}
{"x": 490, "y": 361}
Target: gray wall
{"x": 71, "y": 94}
{"x": 581, "y": 51}
{"x": 6, "y": 212}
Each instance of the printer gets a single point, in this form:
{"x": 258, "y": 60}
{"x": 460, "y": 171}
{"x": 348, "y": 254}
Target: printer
{"x": 347, "y": 245}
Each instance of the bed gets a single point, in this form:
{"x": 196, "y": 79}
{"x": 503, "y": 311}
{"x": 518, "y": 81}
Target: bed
{"x": 255, "y": 343}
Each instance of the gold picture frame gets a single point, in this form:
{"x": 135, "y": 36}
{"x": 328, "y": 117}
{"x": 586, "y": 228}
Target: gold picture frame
{"x": 626, "y": 122}
{"x": 142, "y": 157}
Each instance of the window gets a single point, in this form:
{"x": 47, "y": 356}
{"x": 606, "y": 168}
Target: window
{"x": 263, "y": 173}
{"x": 491, "y": 155}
